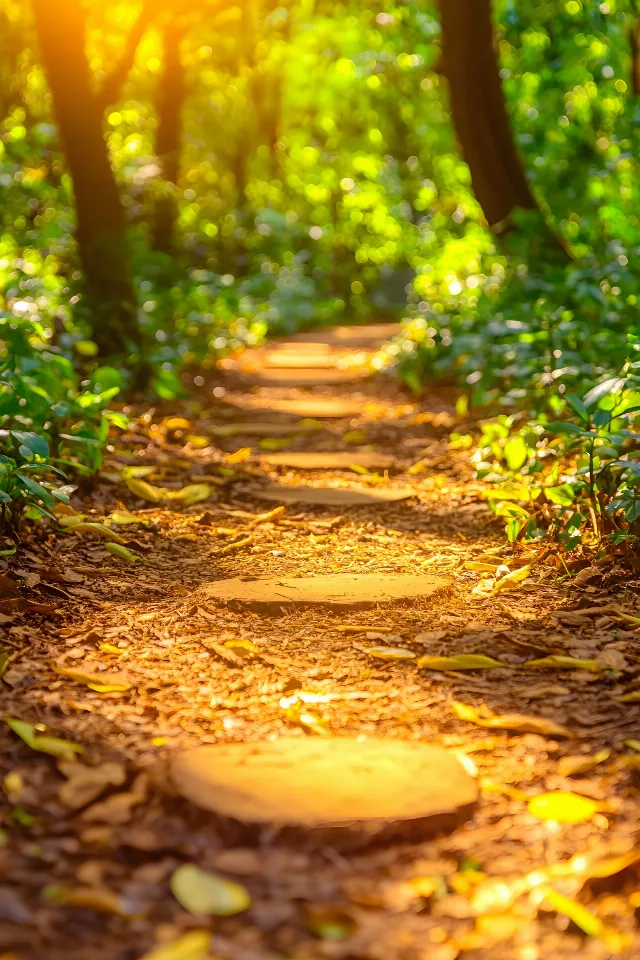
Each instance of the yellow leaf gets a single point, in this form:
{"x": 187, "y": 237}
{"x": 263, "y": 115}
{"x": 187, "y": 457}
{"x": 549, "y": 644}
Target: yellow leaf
{"x": 512, "y": 579}
{"x": 144, "y": 490}
{"x": 463, "y": 661}
{"x": 573, "y": 766}
{"x": 197, "y": 441}
{"x": 43, "y": 743}
{"x": 239, "y": 456}
{"x": 244, "y": 648}
{"x": 563, "y": 807}
{"x": 141, "y": 471}
{"x": 97, "y": 530}
{"x": 355, "y": 436}
{"x": 176, "y": 423}
{"x": 583, "y": 918}
{"x": 389, "y": 653}
{"x": 87, "y": 898}
{"x": 194, "y": 945}
{"x": 520, "y": 723}
{"x": 275, "y": 443}
{"x": 633, "y": 697}
{"x": 100, "y": 682}
{"x": 208, "y": 894}
{"x": 192, "y": 493}
{"x": 238, "y": 545}
{"x": 632, "y": 744}
{"x": 123, "y": 517}
{"x": 119, "y": 551}
{"x": 417, "y": 468}
{"x": 72, "y": 520}
{"x": 559, "y": 662}
{"x": 482, "y": 567}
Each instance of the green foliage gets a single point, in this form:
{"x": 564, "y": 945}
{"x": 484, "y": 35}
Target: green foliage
{"x": 572, "y": 478}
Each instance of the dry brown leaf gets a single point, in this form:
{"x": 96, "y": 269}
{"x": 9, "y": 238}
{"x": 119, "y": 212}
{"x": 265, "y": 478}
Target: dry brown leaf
{"x": 574, "y": 766}
{"x": 518, "y": 722}
{"x": 118, "y": 809}
{"x": 85, "y": 784}
{"x": 462, "y": 661}
{"x": 559, "y": 662}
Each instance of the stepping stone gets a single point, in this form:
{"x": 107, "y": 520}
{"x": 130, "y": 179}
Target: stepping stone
{"x": 263, "y": 429}
{"x": 333, "y": 591}
{"x": 306, "y": 378}
{"x": 303, "y": 359}
{"x": 367, "y": 335}
{"x": 370, "y": 787}
{"x": 328, "y": 461}
{"x": 332, "y": 496}
{"x": 309, "y": 407}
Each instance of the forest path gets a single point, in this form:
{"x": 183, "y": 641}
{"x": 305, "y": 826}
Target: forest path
{"x": 185, "y": 648}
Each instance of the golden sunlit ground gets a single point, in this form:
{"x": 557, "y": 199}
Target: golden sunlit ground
{"x": 136, "y": 658}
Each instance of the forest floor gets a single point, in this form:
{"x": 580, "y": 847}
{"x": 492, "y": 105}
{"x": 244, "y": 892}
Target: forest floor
{"x": 86, "y": 858}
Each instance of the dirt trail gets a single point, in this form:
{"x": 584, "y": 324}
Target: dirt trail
{"x": 85, "y": 859}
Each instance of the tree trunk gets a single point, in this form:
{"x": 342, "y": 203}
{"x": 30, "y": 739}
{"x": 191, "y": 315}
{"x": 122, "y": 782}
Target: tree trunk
{"x": 470, "y": 65}
{"x": 100, "y": 224}
{"x": 634, "y": 45}
{"x": 171, "y": 97}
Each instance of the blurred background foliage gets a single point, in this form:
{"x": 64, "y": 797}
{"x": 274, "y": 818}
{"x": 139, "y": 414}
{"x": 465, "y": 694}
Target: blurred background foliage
{"x": 283, "y": 166}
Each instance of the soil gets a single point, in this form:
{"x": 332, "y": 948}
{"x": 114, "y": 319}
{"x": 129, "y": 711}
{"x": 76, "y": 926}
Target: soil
{"x": 136, "y": 662}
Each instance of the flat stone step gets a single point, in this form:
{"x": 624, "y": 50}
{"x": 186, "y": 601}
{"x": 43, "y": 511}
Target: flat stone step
{"x": 306, "y": 378}
{"x": 303, "y": 359}
{"x": 372, "y": 787}
{"x": 338, "y": 591}
{"x": 329, "y": 461}
{"x": 366, "y": 335}
{"x": 318, "y": 407}
{"x": 332, "y": 496}
{"x": 263, "y": 428}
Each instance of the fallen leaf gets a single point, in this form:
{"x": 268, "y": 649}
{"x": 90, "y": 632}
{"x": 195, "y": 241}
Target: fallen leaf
{"x": 118, "y": 809}
{"x": 520, "y": 723}
{"x": 329, "y": 923}
{"x": 563, "y": 807}
{"x": 238, "y": 545}
{"x": 195, "y": 945}
{"x": 417, "y": 468}
{"x": 387, "y": 653}
{"x": 4, "y": 663}
{"x": 175, "y": 423}
{"x": 239, "y": 456}
{"x": 269, "y": 516}
{"x": 633, "y": 697}
{"x": 583, "y": 918}
{"x": 97, "y": 530}
{"x": 85, "y": 784}
{"x": 87, "y": 898}
{"x": 275, "y": 443}
{"x": 119, "y": 551}
{"x": 559, "y": 662}
{"x": 479, "y": 567}
{"x": 543, "y": 690}
{"x": 574, "y": 766}
{"x": 123, "y": 517}
{"x": 43, "y": 743}
{"x": 632, "y": 744}
{"x": 208, "y": 894}
{"x": 295, "y": 712}
{"x": 144, "y": 490}
{"x": 100, "y": 682}
{"x": 463, "y": 661}
{"x": 72, "y": 520}
{"x": 512, "y": 579}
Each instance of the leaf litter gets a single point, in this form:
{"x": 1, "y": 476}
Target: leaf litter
{"x": 84, "y": 749}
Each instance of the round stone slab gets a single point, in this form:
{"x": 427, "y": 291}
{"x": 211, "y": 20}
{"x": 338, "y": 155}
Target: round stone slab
{"x": 332, "y": 496}
{"x": 311, "y": 407}
{"x": 340, "y": 591}
{"x": 367, "y": 335}
{"x": 328, "y": 461}
{"x": 333, "y": 781}
{"x": 302, "y": 359}
{"x": 306, "y": 378}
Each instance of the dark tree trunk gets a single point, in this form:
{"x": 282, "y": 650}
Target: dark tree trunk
{"x": 171, "y": 97}
{"x": 100, "y": 230}
{"x": 634, "y": 43}
{"x": 470, "y": 65}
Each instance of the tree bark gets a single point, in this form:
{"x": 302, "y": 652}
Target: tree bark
{"x": 634, "y": 45}
{"x": 100, "y": 223}
{"x": 172, "y": 93}
{"x": 470, "y": 64}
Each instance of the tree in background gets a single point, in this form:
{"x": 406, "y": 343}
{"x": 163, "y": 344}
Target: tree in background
{"x": 100, "y": 224}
